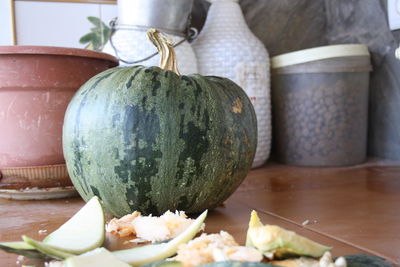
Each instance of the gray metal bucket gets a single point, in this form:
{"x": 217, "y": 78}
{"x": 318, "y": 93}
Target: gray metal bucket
{"x": 320, "y": 105}
{"x": 170, "y": 16}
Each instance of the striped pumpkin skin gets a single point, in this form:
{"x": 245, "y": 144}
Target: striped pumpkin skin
{"x": 147, "y": 139}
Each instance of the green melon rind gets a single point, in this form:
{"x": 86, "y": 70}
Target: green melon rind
{"x": 175, "y": 165}
{"x": 46, "y": 249}
{"x": 151, "y": 253}
{"x": 22, "y": 248}
{"x": 237, "y": 264}
{"x": 300, "y": 246}
{"x": 163, "y": 263}
{"x": 99, "y": 257}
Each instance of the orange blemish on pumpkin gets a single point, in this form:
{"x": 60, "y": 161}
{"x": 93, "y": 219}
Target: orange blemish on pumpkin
{"x": 246, "y": 140}
{"x": 237, "y": 106}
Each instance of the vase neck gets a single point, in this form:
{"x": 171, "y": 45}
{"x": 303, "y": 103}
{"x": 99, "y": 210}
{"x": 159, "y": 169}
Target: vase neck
{"x": 225, "y": 13}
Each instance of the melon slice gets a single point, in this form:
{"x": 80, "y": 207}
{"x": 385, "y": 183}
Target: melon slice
{"x": 156, "y": 252}
{"x": 99, "y": 257}
{"x": 85, "y": 231}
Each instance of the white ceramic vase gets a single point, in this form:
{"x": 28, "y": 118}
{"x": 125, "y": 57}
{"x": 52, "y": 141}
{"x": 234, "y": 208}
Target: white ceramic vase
{"x": 226, "y": 47}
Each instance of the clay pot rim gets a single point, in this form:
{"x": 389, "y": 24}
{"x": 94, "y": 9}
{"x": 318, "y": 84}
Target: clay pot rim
{"x": 55, "y": 50}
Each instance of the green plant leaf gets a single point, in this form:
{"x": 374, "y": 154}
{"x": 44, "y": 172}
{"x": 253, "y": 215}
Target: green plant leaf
{"x": 98, "y": 36}
{"x": 95, "y": 21}
{"x": 87, "y": 38}
{"x": 97, "y": 44}
{"x": 97, "y": 31}
{"x": 107, "y": 32}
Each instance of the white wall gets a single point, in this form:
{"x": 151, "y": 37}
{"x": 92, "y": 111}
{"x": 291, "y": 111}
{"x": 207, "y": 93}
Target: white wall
{"x": 6, "y": 34}
{"x": 57, "y": 23}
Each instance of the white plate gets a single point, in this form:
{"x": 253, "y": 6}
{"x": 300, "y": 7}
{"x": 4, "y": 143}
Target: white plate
{"x": 38, "y": 193}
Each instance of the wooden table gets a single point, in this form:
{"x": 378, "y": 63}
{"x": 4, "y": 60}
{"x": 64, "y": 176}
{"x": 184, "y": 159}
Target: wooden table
{"x": 354, "y": 209}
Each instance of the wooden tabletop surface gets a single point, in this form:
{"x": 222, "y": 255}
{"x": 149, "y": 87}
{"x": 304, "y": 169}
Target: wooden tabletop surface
{"x": 353, "y": 209}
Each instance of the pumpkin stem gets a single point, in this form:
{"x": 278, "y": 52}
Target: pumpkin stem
{"x": 165, "y": 49}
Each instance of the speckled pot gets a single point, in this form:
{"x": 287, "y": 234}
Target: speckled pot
{"x": 36, "y": 85}
{"x": 320, "y": 107}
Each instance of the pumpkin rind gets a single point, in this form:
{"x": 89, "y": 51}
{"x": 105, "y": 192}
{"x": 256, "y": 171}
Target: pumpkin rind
{"x": 362, "y": 260}
{"x": 237, "y": 264}
{"x": 147, "y": 139}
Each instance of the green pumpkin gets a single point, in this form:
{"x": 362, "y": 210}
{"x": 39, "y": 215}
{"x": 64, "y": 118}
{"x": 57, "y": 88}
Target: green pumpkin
{"x": 150, "y": 139}
{"x": 361, "y": 260}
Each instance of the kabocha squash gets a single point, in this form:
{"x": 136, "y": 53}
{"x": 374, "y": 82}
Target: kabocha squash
{"x": 150, "y": 139}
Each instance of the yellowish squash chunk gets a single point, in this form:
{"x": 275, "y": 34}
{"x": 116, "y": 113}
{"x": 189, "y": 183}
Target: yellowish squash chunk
{"x": 276, "y": 242}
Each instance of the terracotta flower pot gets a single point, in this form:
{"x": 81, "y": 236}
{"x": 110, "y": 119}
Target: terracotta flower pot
{"x": 36, "y": 85}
